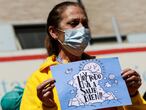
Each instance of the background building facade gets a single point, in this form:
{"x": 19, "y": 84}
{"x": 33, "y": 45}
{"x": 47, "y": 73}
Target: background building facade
{"x": 130, "y": 14}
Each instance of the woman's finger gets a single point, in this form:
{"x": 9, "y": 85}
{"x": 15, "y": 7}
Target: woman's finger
{"x": 129, "y": 73}
{"x": 45, "y": 83}
{"x": 133, "y": 78}
{"x": 134, "y": 83}
{"x": 47, "y": 94}
{"x": 49, "y": 88}
{"x": 125, "y": 70}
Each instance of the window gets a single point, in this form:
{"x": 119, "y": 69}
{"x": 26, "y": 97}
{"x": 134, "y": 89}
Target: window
{"x": 31, "y": 36}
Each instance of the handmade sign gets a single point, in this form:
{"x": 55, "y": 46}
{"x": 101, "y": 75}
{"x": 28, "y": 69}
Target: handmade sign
{"x": 90, "y": 84}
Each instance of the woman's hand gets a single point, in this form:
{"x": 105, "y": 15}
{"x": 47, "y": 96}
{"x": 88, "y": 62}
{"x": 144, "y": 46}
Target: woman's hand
{"x": 132, "y": 79}
{"x": 45, "y": 93}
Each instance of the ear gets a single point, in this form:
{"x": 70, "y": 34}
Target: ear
{"x": 53, "y": 32}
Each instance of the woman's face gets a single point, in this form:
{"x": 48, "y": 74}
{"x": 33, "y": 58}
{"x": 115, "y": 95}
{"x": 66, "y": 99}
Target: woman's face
{"x": 73, "y": 17}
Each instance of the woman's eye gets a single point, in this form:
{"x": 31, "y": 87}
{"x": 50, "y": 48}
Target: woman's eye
{"x": 77, "y": 22}
{"x": 74, "y": 23}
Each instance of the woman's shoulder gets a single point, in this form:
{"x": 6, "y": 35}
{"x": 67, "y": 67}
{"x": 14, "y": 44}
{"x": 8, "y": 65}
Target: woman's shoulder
{"x": 41, "y": 73}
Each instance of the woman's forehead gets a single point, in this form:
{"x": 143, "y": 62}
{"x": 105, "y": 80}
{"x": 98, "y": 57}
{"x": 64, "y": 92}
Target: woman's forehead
{"x": 73, "y": 12}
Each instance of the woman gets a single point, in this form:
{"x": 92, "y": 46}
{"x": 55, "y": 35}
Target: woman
{"x": 68, "y": 36}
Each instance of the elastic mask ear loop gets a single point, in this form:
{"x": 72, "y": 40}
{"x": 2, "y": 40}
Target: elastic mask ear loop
{"x": 58, "y": 38}
{"x": 60, "y": 30}
{"x": 60, "y": 41}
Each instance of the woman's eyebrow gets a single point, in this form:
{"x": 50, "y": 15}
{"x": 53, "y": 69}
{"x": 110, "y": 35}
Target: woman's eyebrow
{"x": 78, "y": 19}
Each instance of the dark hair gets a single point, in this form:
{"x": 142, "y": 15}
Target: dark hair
{"x": 54, "y": 19}
{"x": 144, "y": 96}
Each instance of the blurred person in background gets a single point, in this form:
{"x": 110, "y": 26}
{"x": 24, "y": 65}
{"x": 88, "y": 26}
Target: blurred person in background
{"x": 68, "y": 36}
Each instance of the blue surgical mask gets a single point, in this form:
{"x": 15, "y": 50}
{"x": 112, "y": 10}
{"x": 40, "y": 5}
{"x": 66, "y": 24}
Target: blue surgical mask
{"x": 76, "y": 40}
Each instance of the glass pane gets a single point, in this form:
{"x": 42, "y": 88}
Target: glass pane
{"x": 31, "y": 36}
